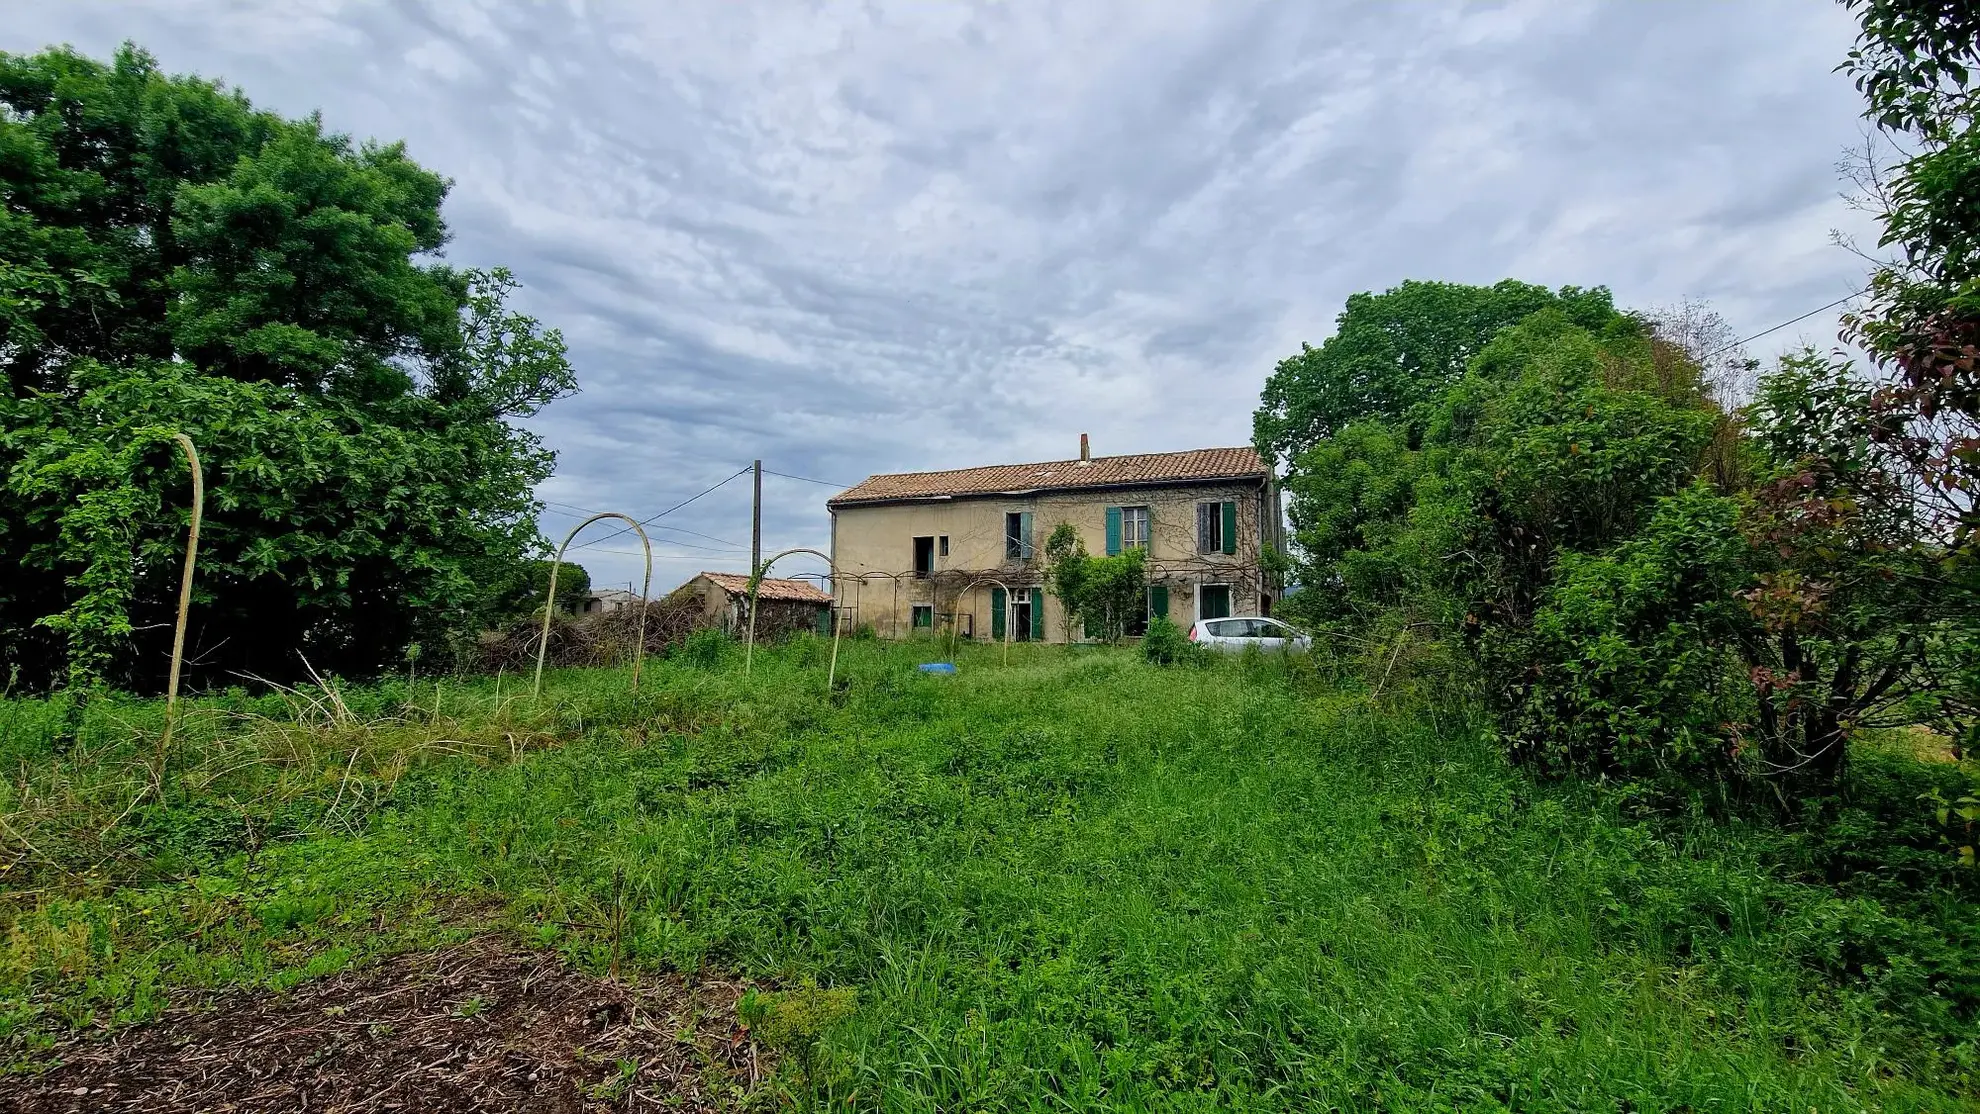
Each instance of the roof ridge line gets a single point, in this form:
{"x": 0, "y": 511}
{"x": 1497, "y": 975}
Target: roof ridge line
{"x": 1067, "y": 460}
{"x": 1185, "y": 466}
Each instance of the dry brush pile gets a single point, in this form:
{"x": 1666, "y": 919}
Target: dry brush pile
{"x": 602, "y": 638}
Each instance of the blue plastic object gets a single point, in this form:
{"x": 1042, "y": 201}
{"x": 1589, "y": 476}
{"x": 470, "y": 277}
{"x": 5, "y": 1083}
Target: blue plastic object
{"x": 939, "y": 667}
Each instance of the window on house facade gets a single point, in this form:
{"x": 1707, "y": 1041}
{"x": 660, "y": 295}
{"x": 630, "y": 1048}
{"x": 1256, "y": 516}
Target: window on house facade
{"x": 1213, "y": 601}
{"x": 1216, "y": 527}
{"x": 924, "y": 556}
{"x": 1134, "y": 527}
{"x": 1017, "y": 536}
{"x": 942, "y": 545}
{"x": 922, "y": 615}
{"x": 1127, "y": 528}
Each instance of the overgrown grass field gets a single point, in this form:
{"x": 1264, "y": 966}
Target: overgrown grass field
{"x": 1078, "y": 881}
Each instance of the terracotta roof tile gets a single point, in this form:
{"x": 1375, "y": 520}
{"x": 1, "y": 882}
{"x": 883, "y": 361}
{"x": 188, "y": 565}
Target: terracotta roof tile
{"x": 1057, "y": 475}
{"x": 772, "y": 588}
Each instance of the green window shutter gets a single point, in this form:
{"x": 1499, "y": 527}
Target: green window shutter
{"x": 1038, "y": 614}
{"x": 1024, "y": 532}
{"x": 1158, "y": 601}
{"x": 1113, "y": 531}
{"x": 997, "y": 616}
{"x": 1230, "y": 527}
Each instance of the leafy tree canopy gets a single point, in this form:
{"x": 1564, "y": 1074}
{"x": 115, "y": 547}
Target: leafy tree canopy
{"x": 1917, "y": 63}
{"x": 1099, "y": 593}
{"x": 1643, "y": 582}
{"x": 532, "y": 581}
{"x": 1395, "y": 352}
{"x": 174, "y": 259}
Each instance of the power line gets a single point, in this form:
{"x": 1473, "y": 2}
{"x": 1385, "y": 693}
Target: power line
{"x": 665, "y": 513}
{"x": 656, "y": 556}
{"x": 806, "y": 479}
{"x": 1785, "y": 324}
{"x": 569, "y": 507}
{"x": 703, "y": 548}
{"x": 731, "y": 543}
{"x": 698, "y": 534}
{"x": 677, "y": 506}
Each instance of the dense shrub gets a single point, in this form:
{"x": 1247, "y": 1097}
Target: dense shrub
{"x": 1166, "y": 644}
{"x": 1643, "y": 582}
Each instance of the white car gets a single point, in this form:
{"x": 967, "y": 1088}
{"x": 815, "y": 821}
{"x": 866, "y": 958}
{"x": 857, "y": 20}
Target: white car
{"x": 1232, "y": 635}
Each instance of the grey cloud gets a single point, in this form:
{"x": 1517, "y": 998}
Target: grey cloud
{"x": 900, "y": 235}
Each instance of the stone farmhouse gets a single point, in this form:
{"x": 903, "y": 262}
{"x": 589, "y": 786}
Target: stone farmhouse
{"x": 918, "y": 551}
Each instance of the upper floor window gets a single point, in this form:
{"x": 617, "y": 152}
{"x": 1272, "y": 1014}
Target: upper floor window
{"x": 1127, "y": 528}
{"x": 1134, "y": 527}
{"x": 1017, "y": 536}
{"x": 1216, "y": 527}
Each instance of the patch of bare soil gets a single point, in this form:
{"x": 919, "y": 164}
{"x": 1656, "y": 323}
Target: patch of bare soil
{"x": 482, "y": 1027}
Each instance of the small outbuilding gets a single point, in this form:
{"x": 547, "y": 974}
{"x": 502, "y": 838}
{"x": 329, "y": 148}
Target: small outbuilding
{"x": 608, "y": 600}
{"x": 785, "y": 605}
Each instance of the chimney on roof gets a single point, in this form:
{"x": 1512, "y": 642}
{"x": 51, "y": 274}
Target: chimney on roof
{"x": 1085, "y": 450}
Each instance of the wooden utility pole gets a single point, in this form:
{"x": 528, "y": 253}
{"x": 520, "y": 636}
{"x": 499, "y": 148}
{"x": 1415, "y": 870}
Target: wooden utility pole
{"x": 756, "y": 523}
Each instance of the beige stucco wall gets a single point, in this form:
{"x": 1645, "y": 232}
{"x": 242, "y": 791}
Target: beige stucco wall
{"x": 714, "y": 601}
{"x": 873, "y": 552}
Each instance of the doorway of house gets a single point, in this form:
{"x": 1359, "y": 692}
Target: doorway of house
{"x": 1021, "y": 618}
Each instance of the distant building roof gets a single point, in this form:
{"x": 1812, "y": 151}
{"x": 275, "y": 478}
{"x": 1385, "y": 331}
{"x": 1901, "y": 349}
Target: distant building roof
{"x": 1058, "y": 475}
{"x": 772, "y": 588}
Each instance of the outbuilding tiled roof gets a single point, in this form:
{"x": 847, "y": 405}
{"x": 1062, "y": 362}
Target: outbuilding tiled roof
{"x": 772, "y": 588}
{"x": 1058, "y": 475}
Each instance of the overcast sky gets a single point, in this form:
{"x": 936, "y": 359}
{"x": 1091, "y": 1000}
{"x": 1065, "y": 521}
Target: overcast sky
{"x": 924, "y": 234}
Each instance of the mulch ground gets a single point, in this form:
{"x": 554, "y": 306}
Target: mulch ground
{"x": 482, "y": 1027}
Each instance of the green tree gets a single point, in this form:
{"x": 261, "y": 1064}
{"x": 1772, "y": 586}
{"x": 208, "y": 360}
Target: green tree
{"x": 1550, "y": 436}
{"x": 1639, "y": 590}
{"x": 1394, "y": 353}
{"x": 1753, "y": 631}
{"x": 1349, "y": 502}
{"x": 1481, "y": 516}
{"x": 1066, "y": 566}
{"x": 1096, "y": 593}
{"x": 173, "y": 259}
{"x": 1850, "y": 597}
{"x": 1115, "y": 589}
{"x": 522, "y": 595}
{"x": 1917, "y": 63}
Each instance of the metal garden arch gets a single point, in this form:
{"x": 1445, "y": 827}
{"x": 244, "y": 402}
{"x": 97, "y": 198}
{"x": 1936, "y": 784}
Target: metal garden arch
{"x": 756, "y": 582}
{"x": 550, "y": 599}
{"x": 1009, "y": 603}
{"x": 185, "y": 605}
